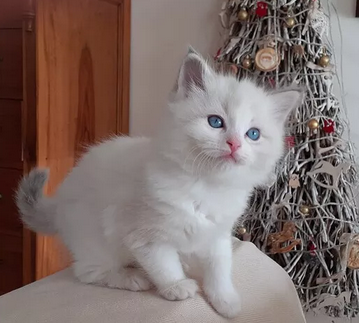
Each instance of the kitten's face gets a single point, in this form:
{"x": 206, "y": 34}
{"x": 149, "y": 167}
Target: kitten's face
{"x": 224, "y": 124}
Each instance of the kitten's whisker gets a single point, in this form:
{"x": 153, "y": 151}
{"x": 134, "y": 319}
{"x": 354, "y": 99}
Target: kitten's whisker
{"x": 200, "y": 163}
{"x": 194, "y": 161}
{"x": 204, "y": 162}
{"x": 192, "y": 150}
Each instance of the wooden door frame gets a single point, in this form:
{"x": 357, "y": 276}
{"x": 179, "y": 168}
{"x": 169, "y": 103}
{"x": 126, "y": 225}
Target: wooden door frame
{"x": 31, "y": 242}
{"x": 29, "y": 126}
{"x": 123, "y": 71}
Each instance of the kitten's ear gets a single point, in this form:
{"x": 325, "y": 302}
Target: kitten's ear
{"x": 191, "y": 50}
{"x": 193, "y": 73}
{"x": 285, "y": 101}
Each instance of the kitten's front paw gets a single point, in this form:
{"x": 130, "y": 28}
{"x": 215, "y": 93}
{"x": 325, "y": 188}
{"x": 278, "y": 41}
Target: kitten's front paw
{"x": 226, "y": 304}
{"x": 180, "y": 290}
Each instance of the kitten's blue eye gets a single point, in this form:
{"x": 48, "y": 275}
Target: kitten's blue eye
{"x": 215, "y": 121}
{"x": 253, "y": 134}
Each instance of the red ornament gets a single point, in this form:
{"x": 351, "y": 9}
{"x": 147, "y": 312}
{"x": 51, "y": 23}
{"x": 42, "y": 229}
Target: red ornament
{"x": 218, "y": 53}
{"x": 312, "y": 248}
{"x": 290, "y": 141}
{"x": 328, "y": 126}
{"x": 262, "y": 9}
{"x": 272, "y": 82}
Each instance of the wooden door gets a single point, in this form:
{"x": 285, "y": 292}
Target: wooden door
{"x": 11, "y": 146}
{"x": 10, "y": 233}
{"x": 11, "y": 63}
{"x": 82, "y": 85}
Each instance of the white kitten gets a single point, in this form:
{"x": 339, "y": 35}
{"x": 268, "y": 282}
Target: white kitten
{"x": 153, "y": 201}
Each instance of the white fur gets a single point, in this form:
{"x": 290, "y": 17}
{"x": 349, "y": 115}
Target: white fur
{"x": 151, "y": 201}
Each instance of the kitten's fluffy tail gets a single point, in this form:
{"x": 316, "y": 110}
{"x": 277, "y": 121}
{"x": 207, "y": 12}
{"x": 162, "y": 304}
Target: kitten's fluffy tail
{"x": 37, "y": 211}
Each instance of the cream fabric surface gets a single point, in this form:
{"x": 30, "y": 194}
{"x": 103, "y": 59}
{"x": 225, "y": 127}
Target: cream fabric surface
{"x": 268, "y": 296}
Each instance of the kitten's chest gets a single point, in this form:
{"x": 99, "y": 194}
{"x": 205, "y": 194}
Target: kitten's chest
{"x": 219, "y": 205}
{"x": 213, "y": 212}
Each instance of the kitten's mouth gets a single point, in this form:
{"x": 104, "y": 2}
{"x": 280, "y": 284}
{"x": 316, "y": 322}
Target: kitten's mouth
{"x": 234, "y": 159}
{"x": 231, "y": 158}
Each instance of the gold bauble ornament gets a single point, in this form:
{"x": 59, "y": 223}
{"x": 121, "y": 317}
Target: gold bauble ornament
{"x": 353, "y": 258}
{"x": 247, "y": 62}
{"x": 242, "y": 231}
{"x": 290, "y": 22}
{"x": 313, "y": 124}
{"x": 242, "y": 15}
{"x": 324, "y": 61}
{"x": 304, "y": 209}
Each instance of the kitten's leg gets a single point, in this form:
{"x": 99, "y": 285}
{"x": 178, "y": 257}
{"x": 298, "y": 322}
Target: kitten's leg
{"x": 123, "y": 278}
{"x": 127, "y": 278}
{"x": 163, "y": 266}
{"x": 217, "y": 281}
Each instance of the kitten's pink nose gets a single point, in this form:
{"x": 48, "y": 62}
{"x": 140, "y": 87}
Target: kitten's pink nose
{"x": 233, "y": 144}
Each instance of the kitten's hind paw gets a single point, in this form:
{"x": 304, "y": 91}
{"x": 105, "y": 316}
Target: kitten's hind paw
{"x": 136, "y": 280}
{"x": 130, "y": 279}
{"x": 180, "y": 290}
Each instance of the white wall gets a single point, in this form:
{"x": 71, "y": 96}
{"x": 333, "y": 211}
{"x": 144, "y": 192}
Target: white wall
{"x": 161, "y": 30}
{"x": 350, "y": 59}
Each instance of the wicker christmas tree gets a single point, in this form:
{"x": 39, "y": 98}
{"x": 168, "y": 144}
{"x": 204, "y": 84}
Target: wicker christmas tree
{"x": 306, "y": 219}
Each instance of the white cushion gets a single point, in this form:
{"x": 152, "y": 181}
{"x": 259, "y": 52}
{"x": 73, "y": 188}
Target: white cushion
{"x": 268, "y": 296}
